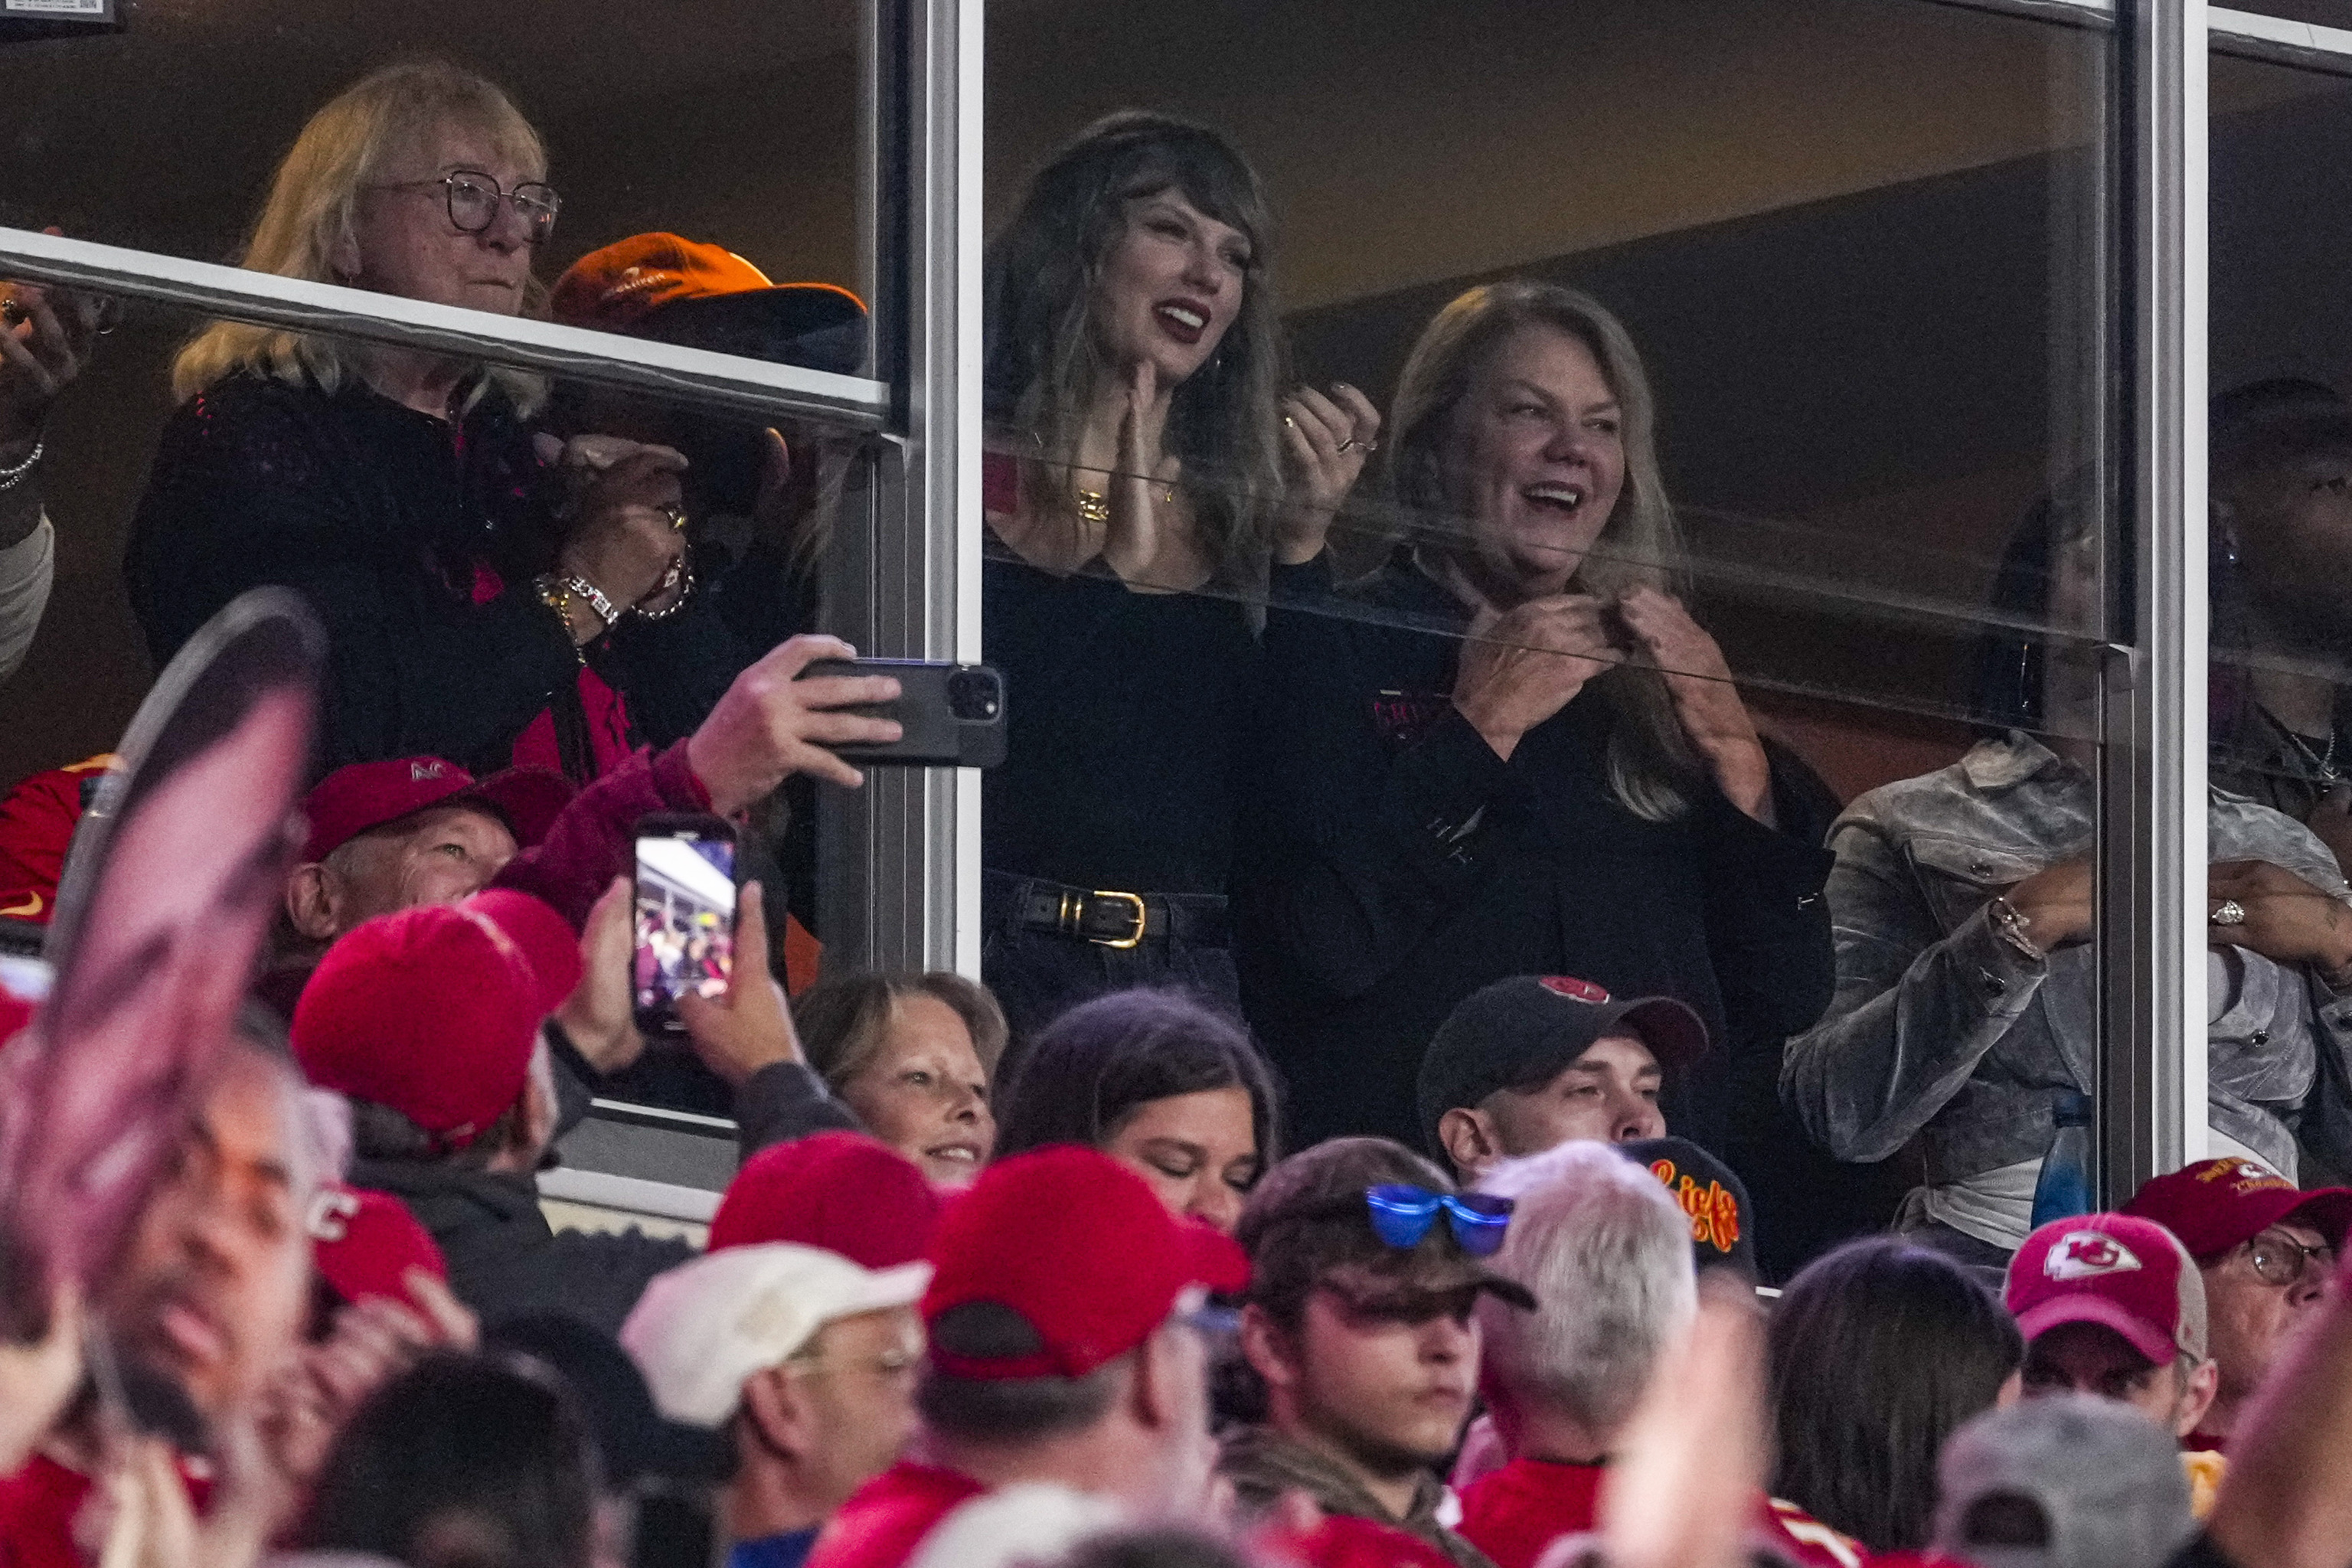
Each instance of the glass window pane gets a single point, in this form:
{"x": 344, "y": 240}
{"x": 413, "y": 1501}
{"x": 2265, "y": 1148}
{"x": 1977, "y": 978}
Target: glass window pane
{"x": 457, "y": 563}
{"x": 2279, "y": 462}
{"x": 165, "y": 136}
{"x": 1833, "y": 372}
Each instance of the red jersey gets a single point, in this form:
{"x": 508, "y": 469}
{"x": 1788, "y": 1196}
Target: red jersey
{"x": 1513, "y": 1513}
{"x": 37, "y": 824}
{"x": 887, "y": 1519}
{"x": 1343, "y": 1541}
{"x": 37, "y": 1508}
{"x": 1800, "y": 1535}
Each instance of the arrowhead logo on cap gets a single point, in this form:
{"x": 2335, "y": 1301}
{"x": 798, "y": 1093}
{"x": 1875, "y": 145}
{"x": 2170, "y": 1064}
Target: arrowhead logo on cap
{"x": 2086, "y": 1254}
{"x": 1575, "y": 990}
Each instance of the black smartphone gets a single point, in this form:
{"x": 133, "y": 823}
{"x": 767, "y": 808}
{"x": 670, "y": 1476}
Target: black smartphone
{"x": 685, "y": 887}
{"x": 953, "y": 714}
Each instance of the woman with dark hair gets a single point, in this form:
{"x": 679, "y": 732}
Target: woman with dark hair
{"x": 1878, "y": 1351}
{"x": 1963, "y": 900}
{"x": 461, "y": 1461}
{"x": 1158, "y": 1082}
{"x": 911, "y": 1055}
{"x": 1511, "y": 751}
{"x": 1136, "y": 498}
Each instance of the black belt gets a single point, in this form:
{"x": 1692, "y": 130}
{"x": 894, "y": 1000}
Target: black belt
{"x": 1108, "y": 918}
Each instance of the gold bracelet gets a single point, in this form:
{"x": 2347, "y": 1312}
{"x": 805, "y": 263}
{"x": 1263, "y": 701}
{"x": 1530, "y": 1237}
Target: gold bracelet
{"x": 1093, "y": 506}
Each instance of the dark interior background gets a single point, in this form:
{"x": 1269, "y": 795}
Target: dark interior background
{"x": 1860, "y": 242}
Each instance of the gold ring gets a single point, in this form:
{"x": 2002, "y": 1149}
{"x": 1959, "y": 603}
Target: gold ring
{"x": 677, "y": 515}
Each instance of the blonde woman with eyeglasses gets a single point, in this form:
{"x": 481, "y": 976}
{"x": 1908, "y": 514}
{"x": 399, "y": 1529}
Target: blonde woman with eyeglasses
{"x": 492, "y": 598}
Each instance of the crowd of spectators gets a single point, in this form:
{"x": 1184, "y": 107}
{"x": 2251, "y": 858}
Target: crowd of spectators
{"x": 1366, "y": 1142}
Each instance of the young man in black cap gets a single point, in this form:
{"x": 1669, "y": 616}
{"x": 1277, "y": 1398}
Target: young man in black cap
{"x": 1365, "y": 1270}
{"x": 1535, "y": 1061}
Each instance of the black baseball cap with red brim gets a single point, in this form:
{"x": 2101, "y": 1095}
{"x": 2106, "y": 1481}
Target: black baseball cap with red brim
{"x": 1519, "y": 1032}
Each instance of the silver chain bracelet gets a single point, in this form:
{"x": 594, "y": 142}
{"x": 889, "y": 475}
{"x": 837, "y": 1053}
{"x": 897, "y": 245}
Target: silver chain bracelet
{"x": 11, "y": 478}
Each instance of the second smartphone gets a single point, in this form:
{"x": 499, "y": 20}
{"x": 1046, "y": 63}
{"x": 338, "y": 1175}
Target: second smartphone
{"x": 685, "y": 913}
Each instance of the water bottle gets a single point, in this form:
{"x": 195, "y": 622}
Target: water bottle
{"x": 2063, "y": 1188}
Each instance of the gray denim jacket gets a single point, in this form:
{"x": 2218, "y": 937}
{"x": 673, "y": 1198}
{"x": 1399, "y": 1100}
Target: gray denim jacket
{"x": 1941, "y": 1027}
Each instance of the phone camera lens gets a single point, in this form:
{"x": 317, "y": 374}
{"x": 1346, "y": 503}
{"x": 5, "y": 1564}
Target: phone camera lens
{"x": 975, "y": 696}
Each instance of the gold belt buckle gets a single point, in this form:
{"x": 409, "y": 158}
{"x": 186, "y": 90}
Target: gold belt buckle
{"x": 1134, "y": 900}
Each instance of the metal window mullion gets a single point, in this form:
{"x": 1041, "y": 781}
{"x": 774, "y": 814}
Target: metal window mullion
{"x": 2153, "y": 821}
{"x": 916, "y": 831}
{"x": 633, "y": 365}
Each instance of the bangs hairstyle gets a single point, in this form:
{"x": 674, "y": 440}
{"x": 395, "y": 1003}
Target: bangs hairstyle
{"x": 844, "y": 1021}
{"x": 1095, "y": 1067}
{"x": 313, "y": 204}
{"x": 1044, "y": 363}
{"x": 1653, "y": 769}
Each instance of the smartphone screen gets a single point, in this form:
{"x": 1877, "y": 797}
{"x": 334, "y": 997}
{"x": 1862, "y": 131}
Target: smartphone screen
{"x": 685, "y": 917}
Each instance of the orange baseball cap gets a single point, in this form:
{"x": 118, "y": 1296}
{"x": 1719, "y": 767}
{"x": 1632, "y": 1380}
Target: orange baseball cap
{"x": 678, "y": 291}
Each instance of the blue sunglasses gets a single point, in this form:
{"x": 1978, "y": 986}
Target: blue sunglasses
{"x": 1402, "y": 1215}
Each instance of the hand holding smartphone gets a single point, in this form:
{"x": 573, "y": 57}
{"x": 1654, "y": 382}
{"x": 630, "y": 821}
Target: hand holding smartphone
{"x": 685, "y": 915}
{"x": 953, "y": 715}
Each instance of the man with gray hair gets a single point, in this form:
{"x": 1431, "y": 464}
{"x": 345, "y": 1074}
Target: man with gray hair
{"x": 1606, "y": 1253}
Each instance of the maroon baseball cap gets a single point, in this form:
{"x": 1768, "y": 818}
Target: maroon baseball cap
{"x": 434, "y": 1011}
{"x": 365, "y": 1243}
{"x": 1075, "y": 1246}
{"x": 2117, "y": 1270}
{"x": 351, "y": 800}
{"x": 841, "y": 1190}
{"x": 2216, "y": 1204}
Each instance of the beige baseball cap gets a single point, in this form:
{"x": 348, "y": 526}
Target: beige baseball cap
{"x": 701, "y": 1329}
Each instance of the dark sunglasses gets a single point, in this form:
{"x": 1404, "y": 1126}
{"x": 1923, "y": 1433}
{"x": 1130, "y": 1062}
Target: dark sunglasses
{"x": 1402, "y": 1215}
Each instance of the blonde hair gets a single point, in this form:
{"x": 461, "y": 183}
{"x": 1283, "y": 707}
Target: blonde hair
{"x": 1652, "y": 769}
{"x": 314, "y": 200}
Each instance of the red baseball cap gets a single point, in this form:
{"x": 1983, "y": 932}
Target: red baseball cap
{"x": 351, "y": 800}
{"x": 2118, "y": 1270}
{"x": 434, "y": 1011}
{"x": 366, "y": 1242}
{"x": 1076, "y": 1245}
{"x": 678, "y": 291}
{"x": 2216, "y": 1204}
{"x": 843, "y": 1192}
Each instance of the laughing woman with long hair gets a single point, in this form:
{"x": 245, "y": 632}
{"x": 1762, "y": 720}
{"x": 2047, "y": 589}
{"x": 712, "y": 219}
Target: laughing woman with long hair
{"x": 1147, "y": 476}
{"x": 1511, "y": 751}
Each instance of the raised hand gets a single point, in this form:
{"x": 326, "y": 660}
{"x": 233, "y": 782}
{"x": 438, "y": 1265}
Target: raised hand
{"x": 748, "y": 1026}
{"x": 624, "y": 513}
{"x": 1707, "y": 703}
{"x": 46, "y": 336}
{"x": 1327, "y": 440}
{"x": 1145, "y": 541}
{"x": 770, "y": 724}
{"x": 598, "y": 1017}
{"x": 1524, "y": 665}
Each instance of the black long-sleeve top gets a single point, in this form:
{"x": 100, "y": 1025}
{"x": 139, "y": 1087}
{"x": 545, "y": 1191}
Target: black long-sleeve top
{"x": 1399, "y": 864}
{"x": 416, "y": 540}
{"x": 1129, "y": 714}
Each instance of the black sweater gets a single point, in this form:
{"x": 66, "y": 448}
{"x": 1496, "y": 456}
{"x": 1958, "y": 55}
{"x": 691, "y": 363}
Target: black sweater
{"x": 414, "y": 539}
{"x": 1401, "y": 865}
{"x": 1128, "y": 716}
